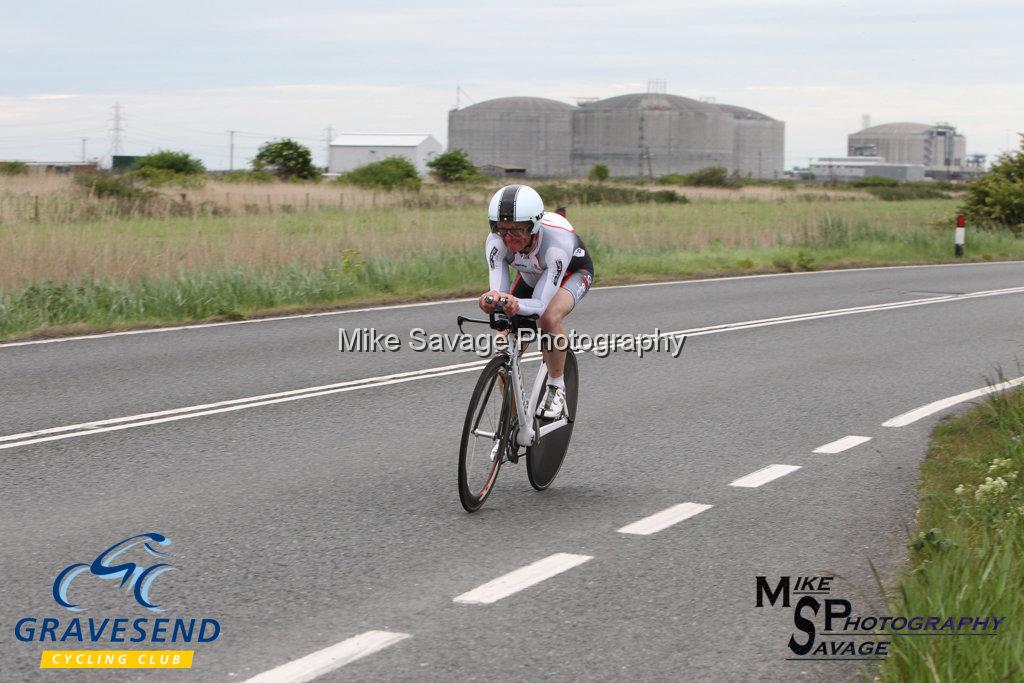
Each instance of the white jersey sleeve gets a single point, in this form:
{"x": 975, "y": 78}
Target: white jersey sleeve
{"x": 556, "y": 261}
{"x": 497, "y": 265}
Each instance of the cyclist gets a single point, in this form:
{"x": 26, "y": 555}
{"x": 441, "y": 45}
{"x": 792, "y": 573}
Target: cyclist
{"x": 554, "y": 273}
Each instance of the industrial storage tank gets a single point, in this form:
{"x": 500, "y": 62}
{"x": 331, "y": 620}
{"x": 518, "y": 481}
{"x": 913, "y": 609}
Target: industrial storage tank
{"x": 759, "y": 143}
{"x": 936, "y": 147}
{"x": 529, "y": 133}
{"x": 651, "y": 134}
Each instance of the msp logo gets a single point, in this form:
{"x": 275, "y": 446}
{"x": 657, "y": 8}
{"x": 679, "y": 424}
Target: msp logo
{"x": 136, "y": 577}
{"x": 828, "y": 628}
{"x": 133, "y": 577}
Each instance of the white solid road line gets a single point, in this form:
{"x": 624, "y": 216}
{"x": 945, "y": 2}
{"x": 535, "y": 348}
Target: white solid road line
{"x": 118, "y": 423}
{"x": 527, "y": 576}
{"x": 936, "y": 406}
{"x": 843, "y": 444}
{"x": 833, "y": 313}
{"x": 86, "y": 428}
{"x": 764, "y": 475}
{"x": 264, "y": 399}
{"x": 199, "y": 326}
{"x": 330, "y": 658}
{"x": 664, "y": 519}
{"x": 388, "y": 307}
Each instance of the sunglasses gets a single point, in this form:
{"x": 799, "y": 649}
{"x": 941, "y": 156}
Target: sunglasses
{"x": 515, "y": 232}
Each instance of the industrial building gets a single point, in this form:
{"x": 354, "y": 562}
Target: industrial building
{"x": 531, "y": 133}
{"x": 858, "y": 167}
{"x": 639, "y": 135}
{"x": 758, "y": 144}
{"x": 938, "y": 148}
{"x": 350, "y": 151}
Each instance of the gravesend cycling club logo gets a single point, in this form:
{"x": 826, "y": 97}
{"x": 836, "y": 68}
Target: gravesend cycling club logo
{"x": 827, "y": 629}
{"x": 133, "y": 577}
{"x": 131, "y": 565}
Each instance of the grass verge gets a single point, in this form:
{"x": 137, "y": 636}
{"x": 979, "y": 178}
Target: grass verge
{"x": 49, "y": 308}
{"x": 967, "y": 558}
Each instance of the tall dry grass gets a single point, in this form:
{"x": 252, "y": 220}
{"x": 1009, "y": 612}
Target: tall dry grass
{"x": 131, "y": 249}
{"x": 59, "y": 200}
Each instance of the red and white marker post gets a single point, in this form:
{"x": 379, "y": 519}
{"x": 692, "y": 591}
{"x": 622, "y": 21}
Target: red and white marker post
{"x": 961, "y": 231}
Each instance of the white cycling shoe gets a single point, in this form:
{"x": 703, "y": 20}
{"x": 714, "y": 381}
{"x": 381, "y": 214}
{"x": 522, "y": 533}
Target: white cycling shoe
{"x": 552, "y": 406}
{"x": 495, "y": 450}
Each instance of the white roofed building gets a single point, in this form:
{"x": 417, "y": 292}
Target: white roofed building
{"x": 351, "y": 150}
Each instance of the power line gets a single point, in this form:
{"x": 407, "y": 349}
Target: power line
{"x": 116, "y": 131}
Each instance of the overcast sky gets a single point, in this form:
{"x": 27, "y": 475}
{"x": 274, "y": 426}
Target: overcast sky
{"x": 187, "y": 72}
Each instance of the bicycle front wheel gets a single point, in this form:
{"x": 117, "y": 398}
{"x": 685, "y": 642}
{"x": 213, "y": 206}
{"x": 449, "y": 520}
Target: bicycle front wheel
{"x": 485, "y": 436}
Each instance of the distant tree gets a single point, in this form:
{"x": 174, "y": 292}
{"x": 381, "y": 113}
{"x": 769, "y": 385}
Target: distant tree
{"x": 287, "y": 160}
{"x": 998, "y": 196}
{"x": 390, "y": 173}
{"x": 177, "y": 162}
{"x": 598, "y": 172}
{"x": 453, "y": 167}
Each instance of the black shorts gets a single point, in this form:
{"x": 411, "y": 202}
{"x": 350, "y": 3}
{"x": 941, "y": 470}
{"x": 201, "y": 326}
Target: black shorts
{"x": 576, "y": 283}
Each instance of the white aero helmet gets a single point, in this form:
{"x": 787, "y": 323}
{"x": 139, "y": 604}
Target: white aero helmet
{"x": 516, "y": 203}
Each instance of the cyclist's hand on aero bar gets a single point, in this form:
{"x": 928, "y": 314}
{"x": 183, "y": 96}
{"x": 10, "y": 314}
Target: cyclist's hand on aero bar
{"x": 511, "y": 305}
{"x": 488, "y": 300}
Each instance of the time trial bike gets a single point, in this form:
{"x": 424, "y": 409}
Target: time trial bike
{"x": 501, "y": 423}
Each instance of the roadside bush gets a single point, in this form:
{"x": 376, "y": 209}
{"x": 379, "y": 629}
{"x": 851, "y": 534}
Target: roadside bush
{"x": 286, "y": 159}
{"x": 875, "y": 181}
{"x": 129, "y": 196}
{"x": 906, "y": 191}
{"x": 13, "y": 168}
{"x": 108, "y": 185}
{"x": 598, "y": 173}
{"x": 997, "y": 198}
{"x": 452, "y": 167}
{"x": 555, "y": 193}
{"x": 712, "y": 176}
{"x": 174, "y": 162}
{"x": 390, "y": 173}
{"x": 158, "y": 177}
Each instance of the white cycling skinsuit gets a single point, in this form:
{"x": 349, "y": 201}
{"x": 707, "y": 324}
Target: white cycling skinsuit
{"x": 558, "y": 259}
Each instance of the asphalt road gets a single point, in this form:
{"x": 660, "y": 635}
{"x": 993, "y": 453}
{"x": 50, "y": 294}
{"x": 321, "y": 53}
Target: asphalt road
{"x": 301, "y": 521}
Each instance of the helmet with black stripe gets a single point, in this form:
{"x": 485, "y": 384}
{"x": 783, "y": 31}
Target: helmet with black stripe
{"x": 516, "y": 203}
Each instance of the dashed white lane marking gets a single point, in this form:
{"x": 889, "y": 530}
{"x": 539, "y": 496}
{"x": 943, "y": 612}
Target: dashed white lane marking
{"x": 330, "y": 658}
{"x": 764, "y": 475}
{"x": 664, "y": 519}
{"x": 937, "y": 406}
{"x": 388, "y": 307}
{"x": 843, "y": 444}
{"x": 527, "y": 576}
{"x": 68, "y": 431}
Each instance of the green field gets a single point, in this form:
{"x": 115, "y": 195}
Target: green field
{"x": 67, "y": 272}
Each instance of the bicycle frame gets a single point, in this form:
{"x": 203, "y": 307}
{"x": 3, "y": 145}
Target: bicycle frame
{"x": 525, "y": 409}
{"x": 526, "y": 436}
